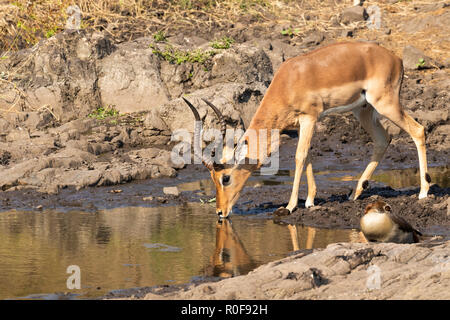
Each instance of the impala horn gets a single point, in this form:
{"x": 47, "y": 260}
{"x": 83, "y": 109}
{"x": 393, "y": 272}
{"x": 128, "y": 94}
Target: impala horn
{"x": 197, "y": 132}
{"x": 223, "y": 126}
{"x": 208, "y": 162}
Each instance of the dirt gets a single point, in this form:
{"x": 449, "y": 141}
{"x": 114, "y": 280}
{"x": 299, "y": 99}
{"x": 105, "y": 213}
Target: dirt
{"x": 53, "y": 154}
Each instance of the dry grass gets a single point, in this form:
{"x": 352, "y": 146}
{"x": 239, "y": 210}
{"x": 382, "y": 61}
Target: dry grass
{"x": 435, "y": 42}
{"x": 23, "y": 23}
{"x": 26, "y": 22}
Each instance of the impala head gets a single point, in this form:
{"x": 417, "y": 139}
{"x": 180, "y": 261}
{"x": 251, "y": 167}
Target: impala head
{"x": 229, "y": 179}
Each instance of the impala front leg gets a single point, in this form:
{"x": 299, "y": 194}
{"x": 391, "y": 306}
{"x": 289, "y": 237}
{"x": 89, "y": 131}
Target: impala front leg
{"x": 307, "y": 124}
{"x": 311, "y": 183}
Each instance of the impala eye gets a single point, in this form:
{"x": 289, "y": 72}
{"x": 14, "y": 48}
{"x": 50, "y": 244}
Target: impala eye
{"x": 226, "y": 180}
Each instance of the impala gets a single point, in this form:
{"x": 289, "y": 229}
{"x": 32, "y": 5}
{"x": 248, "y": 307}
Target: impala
{"x": 230, "y": 257}
{"x": 361, "y": 77}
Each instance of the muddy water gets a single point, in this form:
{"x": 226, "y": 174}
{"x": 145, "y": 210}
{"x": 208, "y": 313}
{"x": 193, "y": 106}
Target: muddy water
{"x": 135, "y": 247}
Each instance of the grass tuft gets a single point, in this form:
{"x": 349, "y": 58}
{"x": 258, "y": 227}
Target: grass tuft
{"x": 102, "y": 113}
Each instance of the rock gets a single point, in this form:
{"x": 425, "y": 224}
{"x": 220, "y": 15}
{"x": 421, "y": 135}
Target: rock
{"x": 58, "y": 80}
{"x": 314, "y": 38}
{"x": 153, "y": 121}
{"x": 4, "y": 126}
{"x": 130, "y": 79}
{"x": 418, "y": 23}
{"x": 278, "y": 51}
{"x": 431, "y": 116}
{"x": 443, "y": 130}
{"x": 447, "y": 63}
{"x": 161, "y": 199}
{"x": 432, "y": 7}
{"x": 254, "y": 66}
{"x": 234, "y": 100}
{"x": 347, "y": 33}
{"x": 415, "y": 59}
{"x": 343, "y": 271}
{"x": 149, "y": 198}
{"x": 171, "y": 191}
{"x": 37, "y": 120}
{"x": 19, "y": 134}
{"x": 353, "y": 14}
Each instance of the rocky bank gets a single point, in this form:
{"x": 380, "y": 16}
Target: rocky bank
{"x": 340, "y": 271}
{"x": 53, "y": 136}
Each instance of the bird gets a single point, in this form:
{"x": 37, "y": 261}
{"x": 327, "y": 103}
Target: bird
{"x": 380, "y": 224}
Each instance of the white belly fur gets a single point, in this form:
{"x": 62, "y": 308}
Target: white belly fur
{"x": 347, "y": 108}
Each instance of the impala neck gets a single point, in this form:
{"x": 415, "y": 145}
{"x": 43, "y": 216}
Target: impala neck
{"x": 264, "y": 132}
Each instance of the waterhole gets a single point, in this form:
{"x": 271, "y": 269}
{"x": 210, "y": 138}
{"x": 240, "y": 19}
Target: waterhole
{"x": 135, "y": 247}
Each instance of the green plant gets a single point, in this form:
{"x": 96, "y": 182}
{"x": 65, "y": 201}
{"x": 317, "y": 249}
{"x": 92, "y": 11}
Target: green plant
{"x": 177, "y": 56}
{"x": 185, "y": 4}
{"x": 102, "y": 113}
{"x": 50, "y": 33}
{"x": 421, "y": 63}
{"x": 160, "y": 36}
{"x": 223, "y": 43}
{"x": 290, "y": 32}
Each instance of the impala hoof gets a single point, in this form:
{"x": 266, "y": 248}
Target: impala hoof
{"x": 423, "y": 195}
{"x": 282, "y": 212}
{"x": 309, "y": 204}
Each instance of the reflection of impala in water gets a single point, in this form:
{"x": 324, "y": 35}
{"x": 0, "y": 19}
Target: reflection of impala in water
{"x": 231, "y": 259}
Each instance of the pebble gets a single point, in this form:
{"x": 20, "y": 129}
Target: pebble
{"x": 171, "y": 191}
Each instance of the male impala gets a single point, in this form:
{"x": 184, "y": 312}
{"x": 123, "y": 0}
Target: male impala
{"x": 360, "y": 77}
{"x": 230, "y": 257}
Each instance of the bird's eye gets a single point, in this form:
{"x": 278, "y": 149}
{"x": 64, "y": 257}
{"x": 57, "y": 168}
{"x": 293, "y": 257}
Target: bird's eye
{"x": 225, "y": 180}
{"x": 387, "y": 208}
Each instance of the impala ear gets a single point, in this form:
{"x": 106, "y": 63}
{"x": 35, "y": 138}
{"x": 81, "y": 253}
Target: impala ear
{"x": 208, "y": 164}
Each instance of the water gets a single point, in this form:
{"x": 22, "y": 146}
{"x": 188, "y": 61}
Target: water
{"x": 134, "y": 247}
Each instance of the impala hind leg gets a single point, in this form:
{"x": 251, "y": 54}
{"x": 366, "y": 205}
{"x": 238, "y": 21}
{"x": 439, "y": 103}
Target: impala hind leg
{"x": 311, "y": 183}
{"x": 307, "y": 124}
{"x": 390, "y": 108}
{"x": 367, "y": 116}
